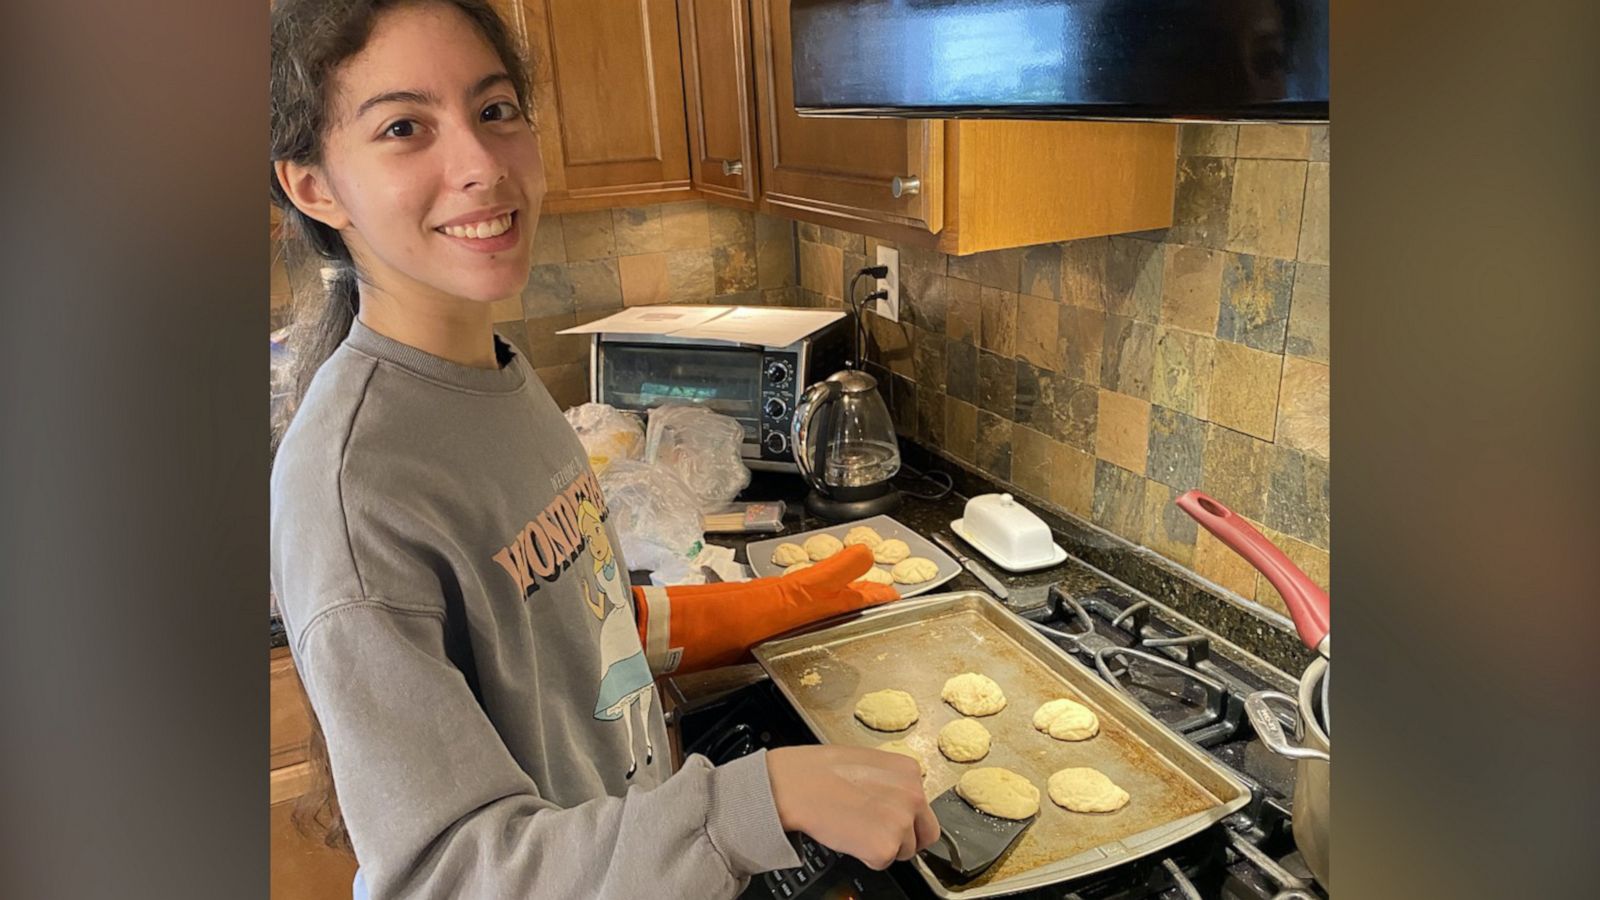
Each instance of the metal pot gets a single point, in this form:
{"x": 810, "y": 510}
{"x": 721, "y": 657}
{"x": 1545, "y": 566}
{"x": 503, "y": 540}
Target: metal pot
{"x": 1314, "y": 767}
{"x": 1309, "y": 608}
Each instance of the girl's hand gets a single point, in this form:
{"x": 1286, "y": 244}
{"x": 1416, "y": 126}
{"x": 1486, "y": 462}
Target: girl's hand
{"x": 865, "y": 803}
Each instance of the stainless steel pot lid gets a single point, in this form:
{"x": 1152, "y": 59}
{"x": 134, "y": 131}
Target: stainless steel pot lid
{"x": 1327, "y": 715}
{"x": 1309, "y": 701}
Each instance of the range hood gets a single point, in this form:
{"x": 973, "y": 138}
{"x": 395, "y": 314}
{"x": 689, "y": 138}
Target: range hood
{"x": 1163, "y": 60}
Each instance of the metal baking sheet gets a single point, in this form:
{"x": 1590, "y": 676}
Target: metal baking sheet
{"x": 914, "y": 645}
{"x": 760, "y": 552}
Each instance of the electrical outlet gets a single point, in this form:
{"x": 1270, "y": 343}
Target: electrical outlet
{"x": 889, "y": 307}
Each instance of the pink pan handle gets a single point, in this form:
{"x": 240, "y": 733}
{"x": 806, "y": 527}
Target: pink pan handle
{"x": 1308, "y": 604}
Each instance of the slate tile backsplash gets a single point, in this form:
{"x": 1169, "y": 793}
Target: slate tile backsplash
{"x": 1104, "y": 377}
{"x": 589, "y": 265}
{"x": 1100, "y": 377}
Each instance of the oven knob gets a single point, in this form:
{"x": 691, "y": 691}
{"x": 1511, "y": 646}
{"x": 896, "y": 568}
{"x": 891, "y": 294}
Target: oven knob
{"x": 775, "y": 408}
{"x": 778, "y": 372}
{"x": 777, "y": 444}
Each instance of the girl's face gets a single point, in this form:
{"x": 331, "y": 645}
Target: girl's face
{"x": 432, "y": 175}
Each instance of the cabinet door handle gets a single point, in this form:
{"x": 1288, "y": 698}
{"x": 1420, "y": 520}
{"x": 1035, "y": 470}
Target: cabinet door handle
{"x": 908, "y": 186}
{"x": 732, "y": 167}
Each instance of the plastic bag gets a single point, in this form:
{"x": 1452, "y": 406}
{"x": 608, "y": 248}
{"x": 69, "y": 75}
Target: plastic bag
{"x": 282, "y": 384}
{"x": 703, "y": 447}
{"x": 607, "y": 433}
{"x": 656, "y": 518}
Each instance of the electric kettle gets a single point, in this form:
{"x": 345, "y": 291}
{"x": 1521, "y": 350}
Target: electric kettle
{"x": 845, "y": 446}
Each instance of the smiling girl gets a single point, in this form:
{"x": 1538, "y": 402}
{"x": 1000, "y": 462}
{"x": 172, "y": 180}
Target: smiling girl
{"x": 478, "y": 666}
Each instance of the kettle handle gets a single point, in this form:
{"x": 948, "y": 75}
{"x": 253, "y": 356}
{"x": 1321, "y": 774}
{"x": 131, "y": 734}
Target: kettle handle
{"x": 808, "y": 454}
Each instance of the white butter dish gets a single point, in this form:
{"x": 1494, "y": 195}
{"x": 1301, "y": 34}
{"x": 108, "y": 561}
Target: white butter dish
{"x": 1008, "y": 533}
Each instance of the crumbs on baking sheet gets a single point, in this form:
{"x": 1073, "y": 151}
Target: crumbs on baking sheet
{"x": 881, "y": 657}
{"x": 810, "y": 678}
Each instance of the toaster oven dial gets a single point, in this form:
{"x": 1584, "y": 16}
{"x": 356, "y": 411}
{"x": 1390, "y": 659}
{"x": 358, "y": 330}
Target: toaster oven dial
{"x": 775, "y": 408}
{"x": 777, "y": 444}
{"x": 777, "y": 372}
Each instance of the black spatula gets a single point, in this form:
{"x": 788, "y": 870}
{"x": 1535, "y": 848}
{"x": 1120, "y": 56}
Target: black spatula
{"x": 970, "y": 841}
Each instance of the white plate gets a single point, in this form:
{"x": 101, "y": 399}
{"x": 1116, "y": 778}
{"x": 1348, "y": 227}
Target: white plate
{"x": 1057, "y": 555}
{"x": 759, "y": 553}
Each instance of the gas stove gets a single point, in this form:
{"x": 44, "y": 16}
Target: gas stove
{"x": 1185, "y": 679}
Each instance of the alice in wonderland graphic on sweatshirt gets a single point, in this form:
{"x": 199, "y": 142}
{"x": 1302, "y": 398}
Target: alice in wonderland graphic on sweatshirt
{"x": 567, "y": 540}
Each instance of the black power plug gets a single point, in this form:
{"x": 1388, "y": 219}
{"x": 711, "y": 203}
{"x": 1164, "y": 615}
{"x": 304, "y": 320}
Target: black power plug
{"x": 859, "y": 327}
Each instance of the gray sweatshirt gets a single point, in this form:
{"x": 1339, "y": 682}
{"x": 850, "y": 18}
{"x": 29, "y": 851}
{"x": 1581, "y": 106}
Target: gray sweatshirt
{"x": 465, "y": 631}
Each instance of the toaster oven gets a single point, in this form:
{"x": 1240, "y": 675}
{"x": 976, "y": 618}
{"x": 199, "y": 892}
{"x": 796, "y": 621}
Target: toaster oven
{"x": 756, "y": 384}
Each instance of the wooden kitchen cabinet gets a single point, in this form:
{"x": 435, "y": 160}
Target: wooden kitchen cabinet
{"x": 608, "y": 100}
{"x": 1013, "y": 184}
{"x": 302, "y": 866}
{"x": 719, "y": 87}
{"x": 963, "y": 185}
{"x": 648, "y": 101}
{"x": 289, "y": 726}
{"x": 840, "y": 172}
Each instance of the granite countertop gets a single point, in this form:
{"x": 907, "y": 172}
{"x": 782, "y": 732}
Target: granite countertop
{"x": 1096, "y": 561}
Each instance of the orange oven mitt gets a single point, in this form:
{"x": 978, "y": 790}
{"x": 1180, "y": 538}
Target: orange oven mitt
{"x": 698, "y": 626}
